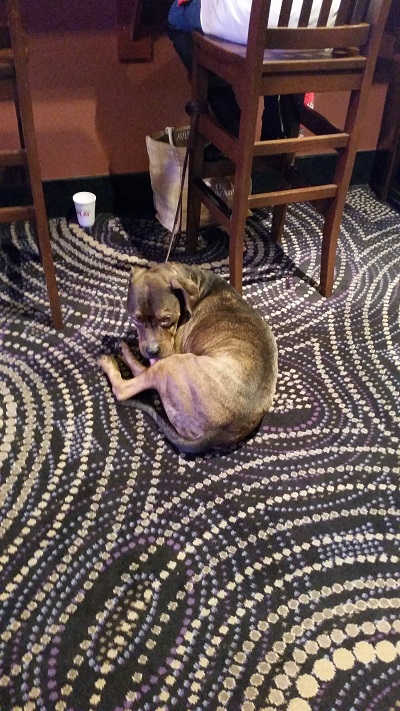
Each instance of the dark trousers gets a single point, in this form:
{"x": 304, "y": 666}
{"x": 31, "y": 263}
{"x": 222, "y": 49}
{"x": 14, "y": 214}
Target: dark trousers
{"x": 280, "y": 112}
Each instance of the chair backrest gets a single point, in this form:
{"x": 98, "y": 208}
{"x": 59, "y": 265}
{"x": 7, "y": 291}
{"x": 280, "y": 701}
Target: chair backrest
{"x": 353, "y": 40}
{"x": 339, "y": 24}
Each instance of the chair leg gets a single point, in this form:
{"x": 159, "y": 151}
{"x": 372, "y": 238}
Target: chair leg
{"x": 196, "y": 159}
{"x": 42, "y": 225}
{"x": 196, "y": 168}
{"x": 193, "y": 199}
{"x": 26, "y": 129}
{"x": 236, "y": 246}
{"x": 238, "y": 226}
{"x": 278, "y": 222}
{"x": 334, "y": 210}
{"x": 330, "y": 236}
{"x": 43, "y": 234}
{"x": 283, "y": 164}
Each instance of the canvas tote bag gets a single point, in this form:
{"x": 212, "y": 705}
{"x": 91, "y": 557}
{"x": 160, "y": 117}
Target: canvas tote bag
{"x": 166, "y": 150}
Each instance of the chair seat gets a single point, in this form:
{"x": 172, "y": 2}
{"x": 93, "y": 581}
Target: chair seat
{"x": 324, "y": 69}
{"x": 300, "y": 61}
{"x": 223, "y": 52}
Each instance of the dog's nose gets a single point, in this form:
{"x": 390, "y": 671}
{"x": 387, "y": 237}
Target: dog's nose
{"x": 153, "y": 350}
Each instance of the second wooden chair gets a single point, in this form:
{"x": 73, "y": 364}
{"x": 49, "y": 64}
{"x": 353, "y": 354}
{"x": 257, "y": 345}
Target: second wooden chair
{"x": 278, "y": 61}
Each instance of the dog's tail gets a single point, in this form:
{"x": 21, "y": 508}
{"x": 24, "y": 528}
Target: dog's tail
{"x": 188, "y": 446}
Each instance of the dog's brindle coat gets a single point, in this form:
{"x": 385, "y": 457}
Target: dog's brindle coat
{"x": 213, "y": 359}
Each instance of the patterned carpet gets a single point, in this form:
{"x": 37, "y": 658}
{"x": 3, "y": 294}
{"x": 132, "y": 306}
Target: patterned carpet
{"x": 133, "y": 577}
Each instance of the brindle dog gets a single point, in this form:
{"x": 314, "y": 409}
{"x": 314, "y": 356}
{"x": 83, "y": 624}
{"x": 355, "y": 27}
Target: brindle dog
{"x": 213, "y": 359}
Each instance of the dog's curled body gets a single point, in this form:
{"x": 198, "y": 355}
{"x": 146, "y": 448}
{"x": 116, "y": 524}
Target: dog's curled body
{"x": 213, "y": 358}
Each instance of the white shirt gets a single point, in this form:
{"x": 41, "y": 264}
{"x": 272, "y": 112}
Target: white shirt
{"x": 229, "y": 19}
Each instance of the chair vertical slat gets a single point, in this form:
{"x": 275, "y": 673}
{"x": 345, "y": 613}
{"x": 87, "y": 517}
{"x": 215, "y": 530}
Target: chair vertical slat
{"x": 360, "y": 11}
{"x": 344, "y": 12}
{"x": 366, "y": 8}
{"x": 305, "y": 13}
{"x": 286, "y": 9}
{"x": 324, "y": 13}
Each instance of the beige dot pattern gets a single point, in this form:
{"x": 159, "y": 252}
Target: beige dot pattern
{"x": 136, "y": 578}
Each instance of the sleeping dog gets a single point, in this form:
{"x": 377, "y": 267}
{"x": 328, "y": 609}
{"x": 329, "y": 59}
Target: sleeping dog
{"x": 213, "y": 359}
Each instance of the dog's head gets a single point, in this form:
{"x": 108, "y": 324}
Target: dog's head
{"x": 160, "y": 298}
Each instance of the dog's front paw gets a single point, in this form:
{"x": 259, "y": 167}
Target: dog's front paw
{"x": 108, "y": 364}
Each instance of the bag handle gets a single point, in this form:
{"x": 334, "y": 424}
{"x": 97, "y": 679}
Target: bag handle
{"x": 170, "y": 133}
{"x": 193, "y": 109}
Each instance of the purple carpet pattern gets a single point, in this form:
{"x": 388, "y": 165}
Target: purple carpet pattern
{"x": 133, "y": 577}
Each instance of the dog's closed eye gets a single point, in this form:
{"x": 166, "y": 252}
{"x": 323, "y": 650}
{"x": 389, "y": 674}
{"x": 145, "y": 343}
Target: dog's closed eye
{"x": 166, "y": 321}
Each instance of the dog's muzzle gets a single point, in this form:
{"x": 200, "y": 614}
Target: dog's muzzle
{"x": 153, "y": 350}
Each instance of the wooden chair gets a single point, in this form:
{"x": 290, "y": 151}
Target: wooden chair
{"x": 14, "y": 76}
{"x": 387, "y": 71}
{"x": 284, "y": 60}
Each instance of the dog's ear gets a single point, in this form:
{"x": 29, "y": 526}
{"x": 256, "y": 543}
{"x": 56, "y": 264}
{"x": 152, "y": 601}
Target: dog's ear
{"x": 188, "y": 290}
{"x": 136, "y": 272}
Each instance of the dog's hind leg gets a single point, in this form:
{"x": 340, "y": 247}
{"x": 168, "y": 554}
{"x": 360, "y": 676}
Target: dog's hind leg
{"x": 124, "y": 390}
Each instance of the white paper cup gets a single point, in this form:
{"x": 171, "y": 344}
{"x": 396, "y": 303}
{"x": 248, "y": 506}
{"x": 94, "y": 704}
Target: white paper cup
{"x": 85, "y": 206}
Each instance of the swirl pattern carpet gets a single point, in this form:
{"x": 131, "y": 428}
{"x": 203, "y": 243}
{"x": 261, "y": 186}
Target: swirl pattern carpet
{"x": 133, "y": 577}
